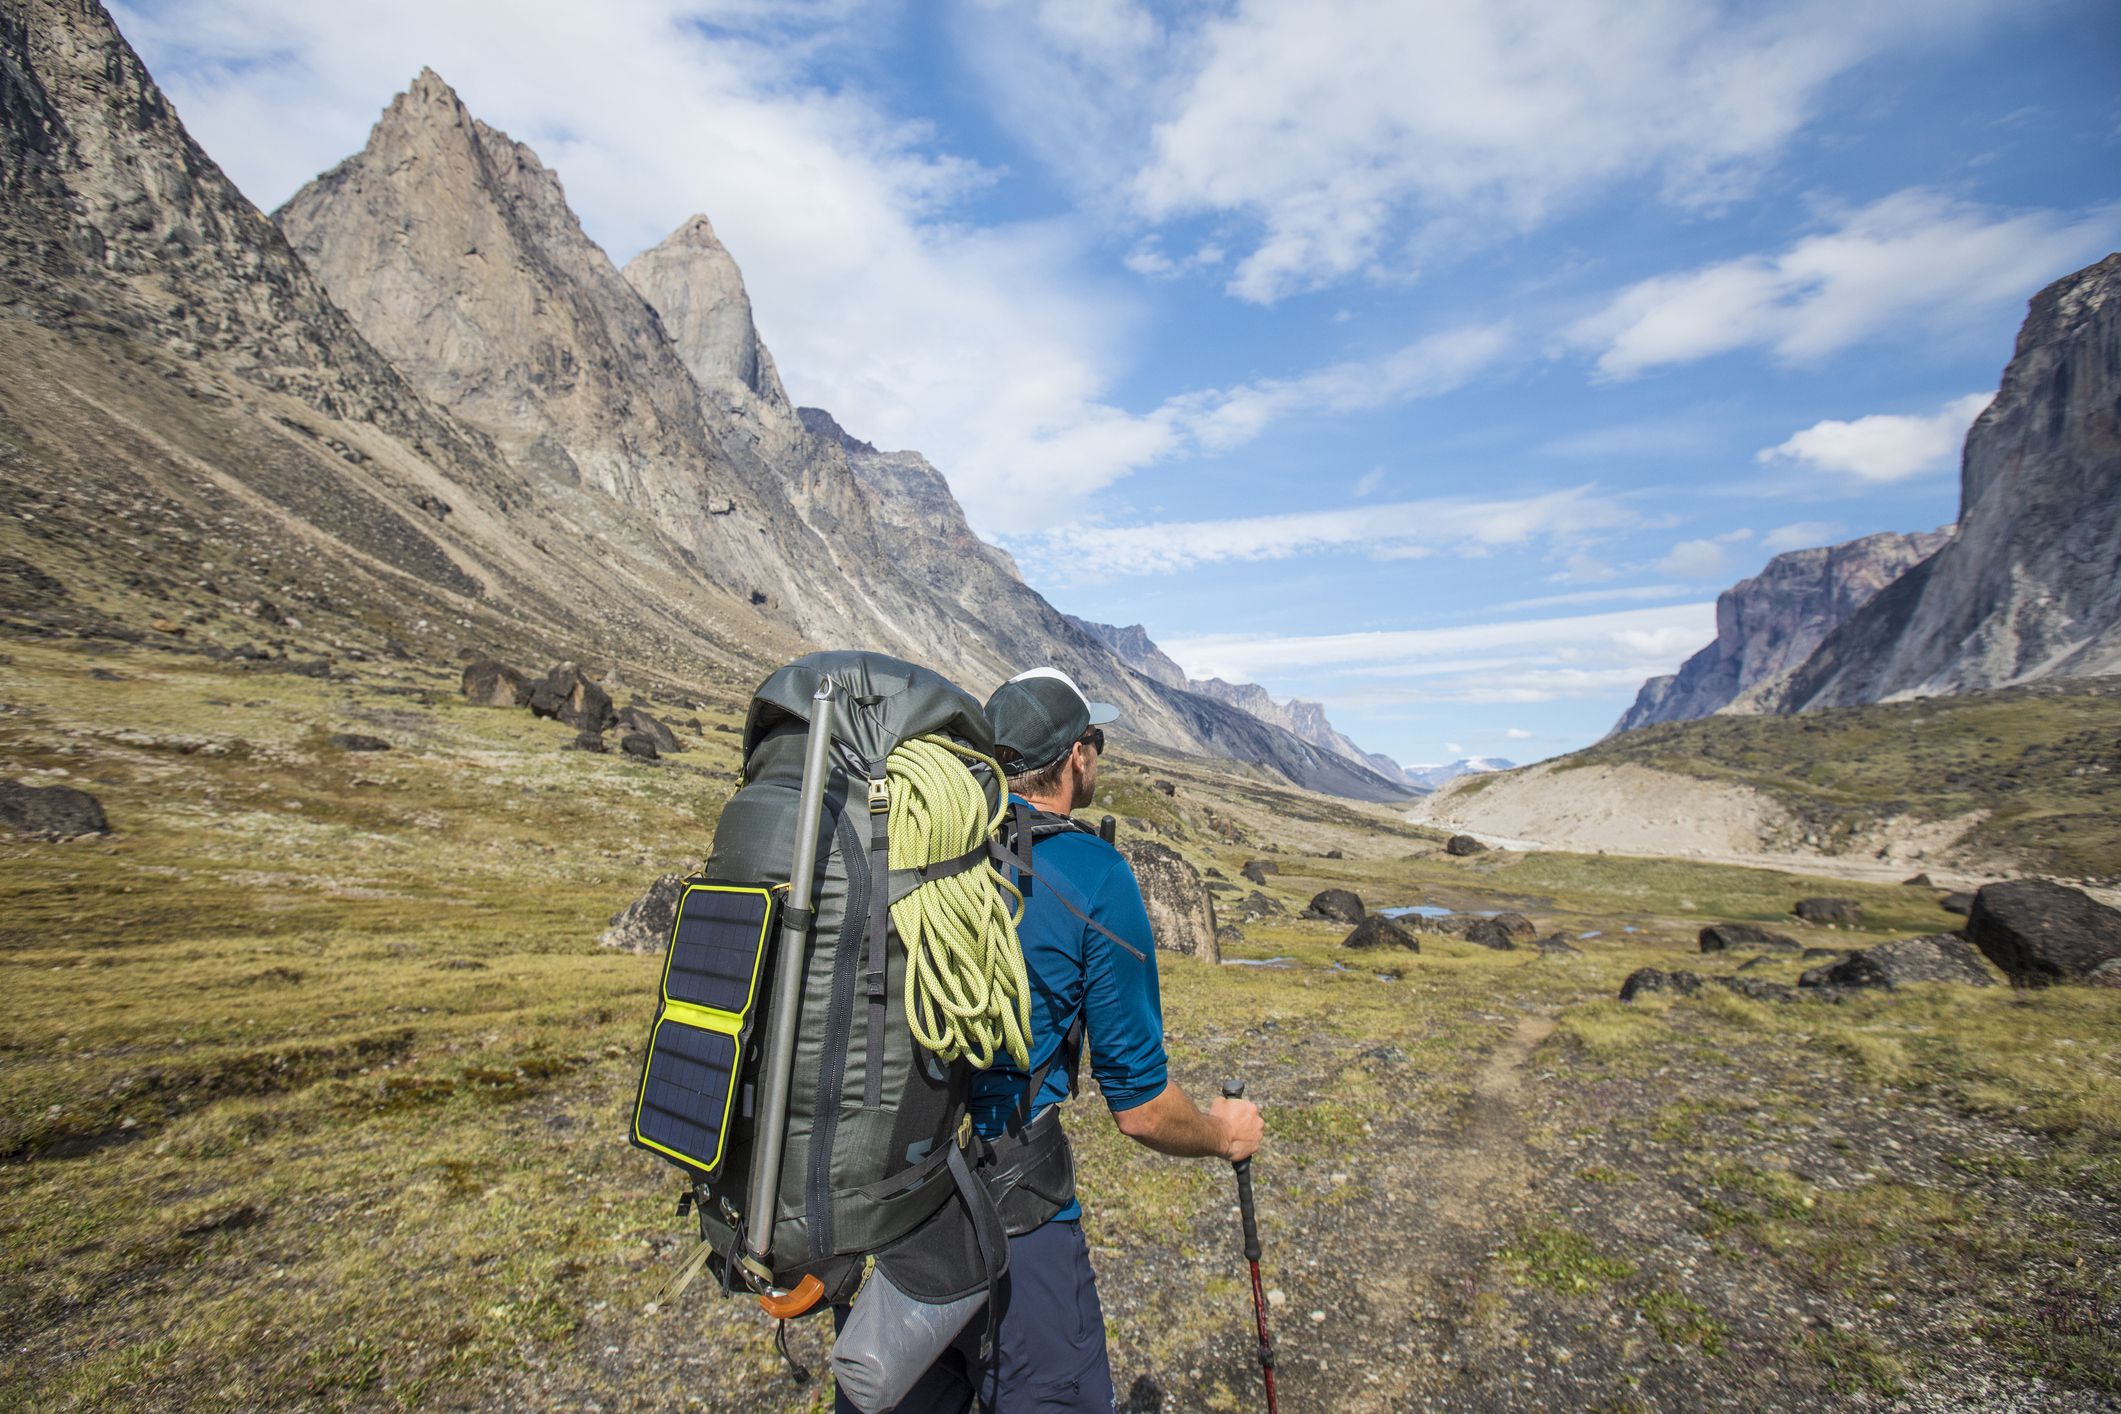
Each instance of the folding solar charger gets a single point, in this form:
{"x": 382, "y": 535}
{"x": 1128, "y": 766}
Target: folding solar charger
{"x": 702, "y": 1027}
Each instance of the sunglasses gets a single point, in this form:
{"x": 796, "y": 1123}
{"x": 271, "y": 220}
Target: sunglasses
{"x": 1094, "y": 739}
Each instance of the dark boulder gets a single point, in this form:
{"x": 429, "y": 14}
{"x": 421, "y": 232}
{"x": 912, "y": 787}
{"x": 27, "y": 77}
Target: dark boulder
{"x": 355, "y": 741}
{"x": 1167, "y": 788}
{"x": 645, "y": 924}
{"x": 566, "y": 695}
{"x": 1257, "y": 870}
{"x": 634, "y": 719}
{"x": 1491, "y": 933}
{"x": 1809, "y": 953}
{"x": 1516, "y": 925}
{"x": 1557, "y": 945}
{"x": 640, "y": 746}
{"x": 1958, "y": 901}
{"x": 1258, "y": 905}
{"x": 1941, "y": 958}
{"x": 586, "y": 740}
{"x": 1377, "y": 931}
{"x": 1920, "y": 881}
{"x": 2041, "y": 933}
{"x": 1722, "y": 937}
{"x": 1333, "y": 854}
{"x": 50, "y": 812}
{"x": 1336, "y": 906}
{"x": 2106, "y": 974}
{"x": 1226, "y": 934}
{"x": 1651, "y": 979}
{"x": 1463, "y": 845}
{"x": 493, "y": 684}
{"x": 1214, "y": 873}
{"x": 1835, "y": 911}
{"x": 1181, "y": 911}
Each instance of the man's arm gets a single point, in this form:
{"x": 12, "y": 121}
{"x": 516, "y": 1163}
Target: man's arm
{"x": 1172, "y": 1124}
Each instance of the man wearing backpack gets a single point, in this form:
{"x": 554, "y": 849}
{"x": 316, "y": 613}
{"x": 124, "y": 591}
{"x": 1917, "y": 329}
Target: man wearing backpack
{"x": 1092, "y": 960}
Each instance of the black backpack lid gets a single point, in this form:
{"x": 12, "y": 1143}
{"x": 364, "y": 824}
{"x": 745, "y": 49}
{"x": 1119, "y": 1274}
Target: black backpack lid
{"x": 882, "y": 701}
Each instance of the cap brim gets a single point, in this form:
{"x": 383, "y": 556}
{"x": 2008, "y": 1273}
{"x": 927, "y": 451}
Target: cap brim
{"x": 1102, "y": 712}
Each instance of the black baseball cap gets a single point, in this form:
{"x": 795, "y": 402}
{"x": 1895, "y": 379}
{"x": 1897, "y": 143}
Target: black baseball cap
{"x": 1038, "y": 715}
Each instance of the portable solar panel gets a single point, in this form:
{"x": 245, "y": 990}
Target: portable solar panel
{"x": 696, "y": 1049}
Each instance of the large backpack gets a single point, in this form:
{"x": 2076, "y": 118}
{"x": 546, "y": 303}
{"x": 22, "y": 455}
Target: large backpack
{"x": 879, "y": 1156}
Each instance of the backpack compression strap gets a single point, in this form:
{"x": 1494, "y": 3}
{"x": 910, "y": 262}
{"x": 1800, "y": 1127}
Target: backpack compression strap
{"x": 1015, "y": 851}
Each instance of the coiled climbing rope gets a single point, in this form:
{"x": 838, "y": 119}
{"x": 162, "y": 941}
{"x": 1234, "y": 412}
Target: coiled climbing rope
{"x": 967, "y": 994}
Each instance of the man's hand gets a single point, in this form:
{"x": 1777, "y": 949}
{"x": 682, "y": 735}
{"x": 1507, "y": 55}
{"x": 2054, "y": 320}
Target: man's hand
{"x": 1172, "y": 1124}
{"x": 1243, "y": 1128}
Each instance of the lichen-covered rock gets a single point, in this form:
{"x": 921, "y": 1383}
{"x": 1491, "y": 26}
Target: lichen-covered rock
{"x": 2041, "y": 933}
{"x": 1491, "y": 933}
{"x": 1336, "y": 906}
{"x": 1257, "y": 870}
{"x": 645, "y": 925}
{"x": 1377, "y": 931}
{"x": 1721, "y": 937}
{"x": 567, "y": 695}
{"x": 1181, "y": 910}
{"x": 1941, "y": 958}
{"x": 1651, "y": 979}
{"x": 638, "y": 745}
{"x": 1463, "y": 845}
{"x": 50, "y": 812}
{"x": 636, "y": 719}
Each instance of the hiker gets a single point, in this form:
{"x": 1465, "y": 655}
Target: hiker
{"x": 1092, "y": 960}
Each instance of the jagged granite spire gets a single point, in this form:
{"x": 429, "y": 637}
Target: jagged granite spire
{"x": 692, "y": 281}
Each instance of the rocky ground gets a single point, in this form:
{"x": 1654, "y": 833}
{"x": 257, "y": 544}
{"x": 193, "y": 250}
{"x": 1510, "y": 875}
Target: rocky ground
{"x": 313, "y": 1076}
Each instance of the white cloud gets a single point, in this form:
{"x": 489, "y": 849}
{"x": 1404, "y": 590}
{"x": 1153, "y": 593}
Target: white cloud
{"x": 1802, "y": 535}
{"x": 1530, "y": 660}
{"x": 1635, "y": 593}
{"x": 1916, "y": 260}
{"x": 1884, "y": 446}
{"x": 1369, "y": 482}
{"x": 1695, "y": 559}
{"x": 1355, "y": 136}
{"x": 1397, "y": 530}
{"x": 1517, "y": 734}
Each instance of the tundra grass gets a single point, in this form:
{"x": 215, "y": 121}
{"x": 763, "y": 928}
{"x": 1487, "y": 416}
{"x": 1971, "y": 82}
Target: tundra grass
{"x": 313, "y": 1077}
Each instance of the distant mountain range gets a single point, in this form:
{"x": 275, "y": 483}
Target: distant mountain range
{"x": 2025, "y": 586}
{"x": 1431, "y": 777}
{"x": 421, "y": 406}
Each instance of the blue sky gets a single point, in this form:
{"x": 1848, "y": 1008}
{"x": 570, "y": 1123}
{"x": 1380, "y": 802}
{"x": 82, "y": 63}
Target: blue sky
{"x": 1437, "y": 361}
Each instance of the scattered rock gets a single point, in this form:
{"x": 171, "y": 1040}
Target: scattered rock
{"x": 2041, "y": 933}
{"x": 492, "y": 684}
{"x": 1835, "y": 911}
{"x": 586, "y": 740}
{"x": 2106, "y": 974}
{"x": 1958, "y": 901}
{"x": 639, "y": 745}
{"x": 1336, "y": 906}
{"x": 50, "y": 812}
{"x": 1378, "y": 931}
{"x": 1333, "y": 854}
{"x": 1920, "y": 881}
{"x": 1651, "y": 979}
{"x": 1491, "y": 933}
{"x": 1215, "y": 873}
{"x": 1941, "y": 958}
{"x": 566, "y": 695}
{"x": 645, "y": 925}
{"x": 1167, "y": 788}
{"x": 1463, "y": 845}
{"x": 1557, "y": 945}
{"x": 1809, "y": 953}
{"x": 1257, "y": 870}
{"x": 1227, "y": 934}
{"x": 355, "y": 741}
{"x": 105, "y": 675}
{"x": 1721, "y": 937}
{"x": 1181, "y": 911}
{"x": 635, "y": 720}
{"x": 1258, "y": 905}
{"x": 1515, "y": 924}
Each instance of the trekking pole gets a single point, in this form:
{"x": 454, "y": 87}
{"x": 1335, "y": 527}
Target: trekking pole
{"x": 796, "y": 918}
{"x": 1235, "y": 1090}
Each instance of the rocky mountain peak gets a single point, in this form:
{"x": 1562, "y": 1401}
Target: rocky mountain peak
{"x": 693, "y": 283}
{"x": 1767, "y": 625}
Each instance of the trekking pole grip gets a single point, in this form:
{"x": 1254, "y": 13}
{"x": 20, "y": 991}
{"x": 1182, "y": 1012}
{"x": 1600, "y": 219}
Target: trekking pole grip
{"x": 1235, "y": 1090}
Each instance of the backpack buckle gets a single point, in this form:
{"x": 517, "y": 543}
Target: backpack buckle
{"x": 879, "y": 797}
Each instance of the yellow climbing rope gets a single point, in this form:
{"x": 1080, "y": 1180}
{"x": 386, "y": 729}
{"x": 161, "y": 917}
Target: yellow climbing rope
{"x": 967, "y": 993}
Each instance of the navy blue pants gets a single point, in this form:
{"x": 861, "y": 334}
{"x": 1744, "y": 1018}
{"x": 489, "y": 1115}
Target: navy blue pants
{"x": 1050, "y": 1346}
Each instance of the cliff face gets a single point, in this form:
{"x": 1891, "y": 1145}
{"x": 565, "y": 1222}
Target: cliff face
{"x": 1767, "y": 625}
{"x": 2029, "y": 585}
{"x": 1139, "y": 652}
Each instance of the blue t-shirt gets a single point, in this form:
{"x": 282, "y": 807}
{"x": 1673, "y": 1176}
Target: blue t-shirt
{"x": 1076, "y": 970}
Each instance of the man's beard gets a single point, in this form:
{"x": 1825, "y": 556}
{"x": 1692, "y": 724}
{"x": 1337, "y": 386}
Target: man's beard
{"x": 1085, "y": 792}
